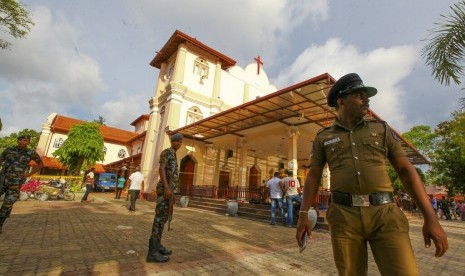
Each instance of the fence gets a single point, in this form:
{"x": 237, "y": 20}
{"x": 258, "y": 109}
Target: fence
{"x": 244, "y": 193}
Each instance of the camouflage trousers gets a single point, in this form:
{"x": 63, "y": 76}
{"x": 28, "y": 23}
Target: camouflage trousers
{"x": 161, "y": 213}
{"x": 11, "y": 190}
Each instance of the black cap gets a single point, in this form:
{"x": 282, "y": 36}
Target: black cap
{"x": 24, "y": 136}
{"x": 347, "y": 84}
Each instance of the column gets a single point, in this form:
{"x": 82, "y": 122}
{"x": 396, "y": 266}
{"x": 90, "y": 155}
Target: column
{"x": 292, "y": 149}
{"x": 242, "y": 148}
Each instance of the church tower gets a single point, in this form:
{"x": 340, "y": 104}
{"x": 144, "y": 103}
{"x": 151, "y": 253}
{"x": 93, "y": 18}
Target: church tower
{"x": 194, "y": 82}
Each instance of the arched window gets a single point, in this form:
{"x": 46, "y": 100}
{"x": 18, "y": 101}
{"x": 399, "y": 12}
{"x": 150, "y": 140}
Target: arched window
{"x": 201, "y": 68}
{"x": 194, "y": 114}
{"x": 104, "y": 150}
{"x": 121, "y": 153}
{"x": 58, "y": 142}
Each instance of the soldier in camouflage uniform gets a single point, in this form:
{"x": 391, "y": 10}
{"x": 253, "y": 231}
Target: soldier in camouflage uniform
{"x": 168, "y": 184}
{"x": 14, "y": 162}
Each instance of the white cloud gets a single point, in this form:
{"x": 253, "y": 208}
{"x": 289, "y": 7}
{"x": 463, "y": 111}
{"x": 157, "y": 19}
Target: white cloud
{"x": 383, "y": 68}
{"x": 121, "y": 111}
{"x": 43, "y": 73}
{"x": 234, "y": 26}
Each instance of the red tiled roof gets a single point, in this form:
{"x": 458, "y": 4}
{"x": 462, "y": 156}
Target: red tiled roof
{"x": 179, "y": 37}
{"x": 63, "y": 124}
{"x": 51, "y": 162}
{"x": 145, "y": 117}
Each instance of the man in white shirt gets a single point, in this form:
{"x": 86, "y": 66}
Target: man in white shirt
{"x": 292, "y": 191}
{"x": 276, "y": 197}
{"x": 136, "y": 184}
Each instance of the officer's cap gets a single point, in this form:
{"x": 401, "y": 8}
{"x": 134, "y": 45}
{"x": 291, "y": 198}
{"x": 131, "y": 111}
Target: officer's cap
{"x": 347, "y": 84}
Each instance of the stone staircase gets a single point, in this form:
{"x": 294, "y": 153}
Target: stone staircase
{"x": 246, "y": 210}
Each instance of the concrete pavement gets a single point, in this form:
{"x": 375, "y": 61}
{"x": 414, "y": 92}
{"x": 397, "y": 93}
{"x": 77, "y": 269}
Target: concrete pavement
{"x": 103, "y": 238}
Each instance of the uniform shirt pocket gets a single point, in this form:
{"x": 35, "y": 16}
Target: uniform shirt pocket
{"x": 373, "y": 148}
{"x": 335, "y": 154}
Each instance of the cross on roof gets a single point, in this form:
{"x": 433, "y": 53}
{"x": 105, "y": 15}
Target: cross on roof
{"x": 259, "y": 62}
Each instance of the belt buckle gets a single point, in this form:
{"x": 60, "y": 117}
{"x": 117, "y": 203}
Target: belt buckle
{"x": 360, "y": 200}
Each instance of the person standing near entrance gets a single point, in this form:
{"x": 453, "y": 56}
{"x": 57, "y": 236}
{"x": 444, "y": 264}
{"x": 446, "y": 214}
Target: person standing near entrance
{"x": 14, "y": 161}
{"x": 292, "y": 191}
{"x": 90, "y": 177}
{"x": 362, "y": 207}
{"x": 136, "y": 184}
{"x": 120, "y": 185}
{"x": 169, "y": 178}
{"x": 276, "y": 197}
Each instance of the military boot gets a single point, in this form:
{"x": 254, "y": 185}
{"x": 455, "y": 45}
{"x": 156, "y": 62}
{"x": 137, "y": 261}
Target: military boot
{"x": 154, "y": 255}
{"x": 165, "y": 251}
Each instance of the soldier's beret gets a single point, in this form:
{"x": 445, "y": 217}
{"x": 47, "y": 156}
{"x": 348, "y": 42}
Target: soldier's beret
{"x": 347, "y": 84}
{"x": 176, "y": 137}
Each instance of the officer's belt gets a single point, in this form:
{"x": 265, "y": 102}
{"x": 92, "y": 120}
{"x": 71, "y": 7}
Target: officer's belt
{"x": 362, "y": 200}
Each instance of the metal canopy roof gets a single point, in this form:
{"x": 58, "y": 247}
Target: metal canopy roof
{"x": 266, "y": 122}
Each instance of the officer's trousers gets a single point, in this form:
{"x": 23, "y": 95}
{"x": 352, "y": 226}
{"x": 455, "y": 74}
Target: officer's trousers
{"x": 384, "y": 227}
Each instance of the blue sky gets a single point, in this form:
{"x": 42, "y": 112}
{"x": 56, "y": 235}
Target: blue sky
{"x": 89, "y": 58}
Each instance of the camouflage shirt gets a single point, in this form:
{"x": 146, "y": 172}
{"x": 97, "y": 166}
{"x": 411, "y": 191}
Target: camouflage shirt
{"x": 15, "y": 160}
{"x": 168, "y": 157}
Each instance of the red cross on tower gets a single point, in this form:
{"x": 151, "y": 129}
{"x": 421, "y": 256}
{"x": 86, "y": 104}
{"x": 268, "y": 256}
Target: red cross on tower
{"x": 259, "y": 62}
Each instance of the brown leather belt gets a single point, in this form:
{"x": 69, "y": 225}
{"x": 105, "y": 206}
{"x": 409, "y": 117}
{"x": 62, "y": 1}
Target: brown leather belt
{"x": 372, "y": 199}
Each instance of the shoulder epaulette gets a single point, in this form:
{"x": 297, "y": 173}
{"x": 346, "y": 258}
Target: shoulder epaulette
{"x": 323, "y": 129}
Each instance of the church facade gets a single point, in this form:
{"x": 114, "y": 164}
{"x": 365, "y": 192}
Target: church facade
{"x": 238, "y": 128}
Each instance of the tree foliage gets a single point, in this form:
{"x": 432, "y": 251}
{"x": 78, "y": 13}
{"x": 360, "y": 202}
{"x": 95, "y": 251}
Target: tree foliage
{"x": 448, "y": 164}
{"x": 12, "y": 139}
{"x": 423, "y": 138}
{"x": 100, "y": 120}
{"x": 83, "y": 147}
{"x": 445, "y": 50}
{"x": 14, "y": 20}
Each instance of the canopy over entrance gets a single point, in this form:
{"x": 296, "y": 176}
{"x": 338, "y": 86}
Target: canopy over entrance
{"x": 267, "y": 122}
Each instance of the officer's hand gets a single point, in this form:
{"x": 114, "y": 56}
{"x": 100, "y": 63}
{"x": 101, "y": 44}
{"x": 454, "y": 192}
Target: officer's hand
{"x": 433, "y": 231}
{"x": 303, "y": 226}
{"x": 167, "y": 194}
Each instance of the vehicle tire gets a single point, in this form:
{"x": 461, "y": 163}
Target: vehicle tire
{"x": 68, "y": 196}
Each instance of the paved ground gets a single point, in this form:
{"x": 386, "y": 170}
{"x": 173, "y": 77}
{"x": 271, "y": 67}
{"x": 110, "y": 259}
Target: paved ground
{"x": 103, "y": 238}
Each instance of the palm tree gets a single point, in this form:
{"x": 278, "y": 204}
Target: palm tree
{"x": 445, "y": 50}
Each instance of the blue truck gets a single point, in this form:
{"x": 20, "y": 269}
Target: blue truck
{"x": 105, "y": 182}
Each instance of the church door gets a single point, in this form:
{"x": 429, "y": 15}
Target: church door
{"x": 253, "y": 178}
{"x": 223, "y": 185}
{"x": 187, "y": 175}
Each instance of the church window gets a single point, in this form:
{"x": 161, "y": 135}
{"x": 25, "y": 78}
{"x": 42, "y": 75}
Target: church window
{"x": 170, "y": 71}
{"x": 201, "y": 68}
{"x": 58, "y": 142}
{"x": 121, "y": 153}
{"x": 104, "y": 150}
{"x": 194, "y": 114}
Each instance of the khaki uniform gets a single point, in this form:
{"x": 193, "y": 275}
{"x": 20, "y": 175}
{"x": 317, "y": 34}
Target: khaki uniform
{"x": 357, "y": 160}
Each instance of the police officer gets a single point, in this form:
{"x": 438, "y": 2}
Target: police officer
{"x": 169, "y": 178}
{"x": 14, "y": 162}
{"x": 362, "y": 206}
